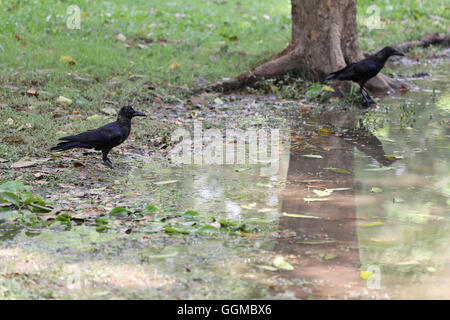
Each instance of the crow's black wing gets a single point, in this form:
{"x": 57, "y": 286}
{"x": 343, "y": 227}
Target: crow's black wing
{"x": 360, "y": 71}
{"x": 107, "y": 136}
{"x": 337, "y": 74}
{"x": 366, "y": 69}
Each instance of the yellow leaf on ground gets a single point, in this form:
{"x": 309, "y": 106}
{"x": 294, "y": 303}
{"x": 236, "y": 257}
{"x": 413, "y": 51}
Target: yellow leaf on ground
{"x": 324, "y": 131}
{"x": 373, "y": 224}
{"x": 64, "y": 100}
{"x": 365, "y": 275}
{"x": 160, "y": 183}
{"x": 94, "y": 117}
{"x": 315, "y": 199}
{"x": 314, "y": 156}
{"x": 249, "y": 206}
{"x": 293, "y": 215}
{"x": 67, "y": 59}
{"x": 327, "y": 88}
{"x": 173, "y": 66}
{"x": 323, "y": 193}
{"x": 269, "y": 268}
{"x": 265, "y": 210}
{"x": 331, "y": 256}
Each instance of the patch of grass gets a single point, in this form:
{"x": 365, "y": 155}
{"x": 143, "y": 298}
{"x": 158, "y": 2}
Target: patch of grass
{"x": 205, "y": 38}
{"x": 400, "y": 21}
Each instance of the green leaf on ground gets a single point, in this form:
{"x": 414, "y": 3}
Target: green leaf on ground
{"x": 149, "y": 208}
{"x": 330, "y": 256}
{"x": 119, "y": 212}
{"x": 173, "y": 230}
{"x": 280, "y": 263}
{"x": 337, "y": 170}
{"x": 372, "y": 224}
{"x": 269, "y": 268}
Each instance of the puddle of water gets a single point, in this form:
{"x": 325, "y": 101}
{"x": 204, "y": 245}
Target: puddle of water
{"x": 380, "y": 229}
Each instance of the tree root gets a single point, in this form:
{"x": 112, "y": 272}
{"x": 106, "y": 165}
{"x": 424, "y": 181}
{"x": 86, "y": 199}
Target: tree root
{"x": 427, "y": 40}
{"x": 269, "y": 70}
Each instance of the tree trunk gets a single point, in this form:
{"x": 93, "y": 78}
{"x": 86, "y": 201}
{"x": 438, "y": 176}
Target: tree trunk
{"x": 324, "y": 39}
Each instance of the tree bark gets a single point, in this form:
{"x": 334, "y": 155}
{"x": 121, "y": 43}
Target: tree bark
{"x": 324, "y": 39}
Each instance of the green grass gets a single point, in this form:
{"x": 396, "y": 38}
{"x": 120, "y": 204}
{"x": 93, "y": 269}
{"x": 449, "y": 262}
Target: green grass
{"x": 202, "y": 40}
{"x": 402, "y": 21}
{"x": 194, "y": 33}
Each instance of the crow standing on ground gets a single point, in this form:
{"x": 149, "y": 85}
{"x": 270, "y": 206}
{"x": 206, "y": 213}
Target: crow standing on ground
{"x": 104, "y": 138}
{"x": 360, "y": 72}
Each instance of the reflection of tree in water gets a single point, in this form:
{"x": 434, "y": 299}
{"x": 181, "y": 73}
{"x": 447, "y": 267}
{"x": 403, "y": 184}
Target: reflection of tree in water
{"x": 327, "y": 247}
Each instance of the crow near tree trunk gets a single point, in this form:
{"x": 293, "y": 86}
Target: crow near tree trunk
{"x": 324, "y": 39}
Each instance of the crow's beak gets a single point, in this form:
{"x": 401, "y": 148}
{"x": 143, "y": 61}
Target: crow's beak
{"x": 139, "y": 114}
{"x": 398, "y": 53}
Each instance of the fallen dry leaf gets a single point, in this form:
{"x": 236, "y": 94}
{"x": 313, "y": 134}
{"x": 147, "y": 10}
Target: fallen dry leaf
{"x": 113, "y": 84}
{"x": 23, "y": 164}
{"x": 323, "y": 193}
{"x": 137, "y": 76}
{"x": 109, "y": 111}
{"x": 39, "y": 174}
{"x": 67, "y": 59}
{"x": 66, "y": 186}
{"x": 173, "y": 66}
{"x": 14, "y": 139}
{"x": 78, "y": 164}
{"x": 121, "y": 37}
{"x": 280, "y": 263}
{"x": 32, "y": 92}
{"x": 75, "y": 77}
{"x": 64, "y": 100}
{"x": 195, "y": 100}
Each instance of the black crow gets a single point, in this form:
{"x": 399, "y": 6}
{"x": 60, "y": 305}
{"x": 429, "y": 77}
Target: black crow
{"x": 360, "y": 72}
{"x": 104, "y": 138}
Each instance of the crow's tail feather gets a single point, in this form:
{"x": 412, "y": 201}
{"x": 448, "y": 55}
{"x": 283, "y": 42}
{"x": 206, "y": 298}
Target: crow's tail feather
{"x": 331, "y": 76}
{"x": 66, "y": 145}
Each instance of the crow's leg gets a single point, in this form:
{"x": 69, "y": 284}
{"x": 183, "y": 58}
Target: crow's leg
{"x": 106, "y": 160}
{"x": 368, "y": 97}
{"x": 366, "y": 101}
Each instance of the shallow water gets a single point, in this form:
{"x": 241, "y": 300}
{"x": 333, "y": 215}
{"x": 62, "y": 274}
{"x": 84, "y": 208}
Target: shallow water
{"x": 367, "y": 216}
